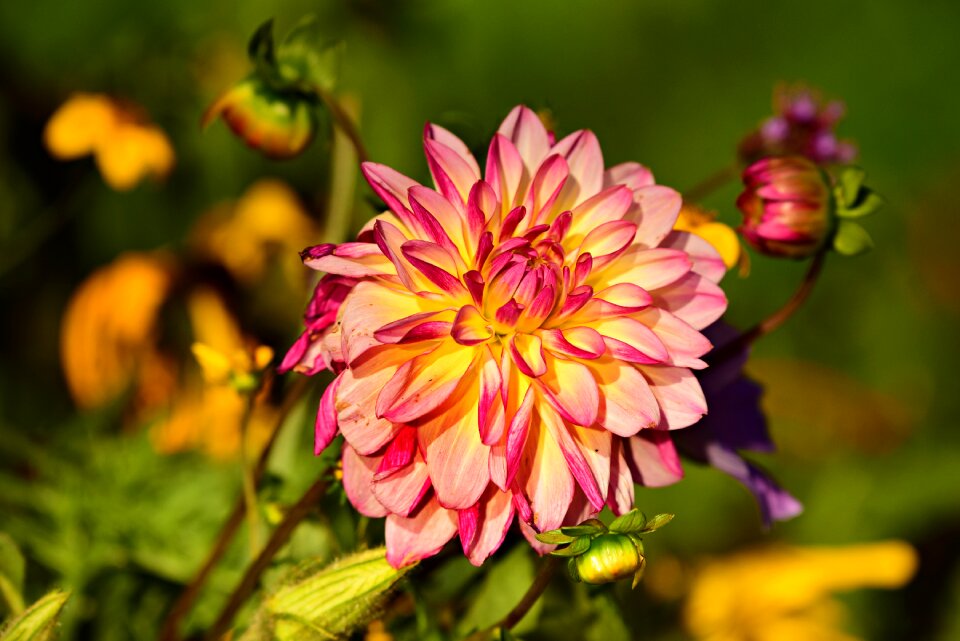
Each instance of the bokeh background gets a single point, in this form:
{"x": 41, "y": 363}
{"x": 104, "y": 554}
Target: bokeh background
{"x": 861, "y": 383}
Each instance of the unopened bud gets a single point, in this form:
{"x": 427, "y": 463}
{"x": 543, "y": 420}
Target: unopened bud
{"x": 278, "y": 124}
{"x": 786, "y": 205}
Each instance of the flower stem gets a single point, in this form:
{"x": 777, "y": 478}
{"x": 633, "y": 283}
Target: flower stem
{"x": 711, "y": 183}
{"x": 532, "y": 595}
{"x": 185, "y": 601}
{"x": 776, "y": 319}
{"x": 277, "y": 540}
{"x": 249, "y": 483}
{"x": 536, "y": 590}
{"x": 344, "y": 122}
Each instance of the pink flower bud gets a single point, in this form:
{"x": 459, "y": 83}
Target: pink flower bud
{"x": 786, "y": 206}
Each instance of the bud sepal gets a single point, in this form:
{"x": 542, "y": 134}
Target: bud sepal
{"x": 602, "y": 554}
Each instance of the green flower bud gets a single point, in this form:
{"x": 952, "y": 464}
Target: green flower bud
{"x": 280, "y": 124}
{"x": 611, "y": 557}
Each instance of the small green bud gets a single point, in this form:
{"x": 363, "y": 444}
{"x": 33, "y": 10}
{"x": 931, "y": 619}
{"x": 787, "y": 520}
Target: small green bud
{"x": 39, "y": 621}
{"x": 611, "y": 557}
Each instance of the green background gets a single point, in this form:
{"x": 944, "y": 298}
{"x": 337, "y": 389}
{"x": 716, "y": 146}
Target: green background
{"x": 672, "y": 84}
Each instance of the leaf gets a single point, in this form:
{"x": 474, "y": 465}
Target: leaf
{"x": 308, "y": 58}
{"x": 590, "y": 527}
{"x": 572, "y": 569}
{"x": 632, "y": 521}
{"x": 657, "y": 522}
{"x": 502, "y": 588}
{"x": 261, "y": 50}
{"x": 851, "y": 239}
{"x": 329, "y": 603}
{"x": 11, "y": 575}
{"x": 39, "y": 621}
{"x": 850, "y": 182}
{"x": 579, "y": 546}
{"x": 868, "y": 203}
{"x": 554, "y": 537}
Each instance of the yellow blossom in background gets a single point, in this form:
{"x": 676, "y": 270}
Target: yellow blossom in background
{"x": 784, "y": 594}
{"x": 207, "y": 416}
{"x": 125, "y": 147}
{"x": 704, "y": 224}
{"x": 267, "y": 220}
{"x": 108, "y": 334}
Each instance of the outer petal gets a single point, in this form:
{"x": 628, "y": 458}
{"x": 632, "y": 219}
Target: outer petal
{"x": 582, "y": 151}
{"x": 572, "y": 390}
{"x": 586, "y": 452}
{"x": 632, "y": 174}
{"x": 357, "y": 393}
{"x": 684, "y": 344}
{"x": 355, "y": 260}
{"x": 325, "y": 428}
{"x": 656, "y": 212}
{"x": 401, "y": 491}
{"x": 496, "y": 512}
{"x": 706, "y": 260}
{"x": 681, "y": 400}
{"x": 627, "y": 404}
{"x": 358, "y": 474}
{"x": 620, "y": 496}
{"x": 420, "y": 535}
{"x": 369, "y": 307}
{"x": 653, "y": 459}
{"x": 524, "y": 129}
{"x": 693, "y": 299}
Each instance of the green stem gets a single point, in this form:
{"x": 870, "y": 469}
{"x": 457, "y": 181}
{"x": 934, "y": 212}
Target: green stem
{"x": 776, "y": 319}
{"x": 249, "y": 482}
{"x": 277, "y": 540}
{"x": 345, "y": 123}
{"x": 711, "y": 183}
{"x": 540, "y": 583}
{"x": 183, "y": 605}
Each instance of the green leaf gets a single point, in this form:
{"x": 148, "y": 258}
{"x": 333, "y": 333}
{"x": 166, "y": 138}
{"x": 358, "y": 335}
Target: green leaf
{"x": 589, "y": 527}
{"x": 572, "y": 569}
{"x": 554, "y": 537}
{"x": 11, "y": 575}
{"x": 868, "y": 203}
{"x": 632, "y": 521}
{"x": 502, "y": 588}
{"x": 579, "y": 546}
{"x": 39, "y": 621}
{"x": 308, "y": 58}
{"x": 851, "y": 239}
{"x": 261, "y": 50}
{"x": 657, "y": 522}
{"x": 329, "y": 603}
{"x": 851, "y": 180}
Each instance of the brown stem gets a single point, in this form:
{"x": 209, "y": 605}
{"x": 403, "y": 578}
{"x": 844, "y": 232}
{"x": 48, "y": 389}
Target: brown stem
{"x": 776, "y": 319}
{"x": 711, "y": 183}
{"x": 536, "y": 590}
{"x": 277, "y": 540}
{"x": 345, "y": 123}
{"x": 180, "y": 609}
{"x": 248, "y": 478}
{"x": 533, "y": 594}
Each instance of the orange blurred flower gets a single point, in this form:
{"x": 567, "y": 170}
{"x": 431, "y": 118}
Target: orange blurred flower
{"x": 125, "y": 146}
{"x": 703, "y": 223}
{"x": 108, "y": 335}
{"x": 784, "y": 594}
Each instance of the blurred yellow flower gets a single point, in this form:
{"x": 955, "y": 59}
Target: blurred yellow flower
{"x": 108, "y": 333}
{"x": 208, "y": 416}
{"x": 783, "y": 594}
{"x": 703, "y": 223}
{"x": 267, "y": 219}
{"x": 126, "y": 147}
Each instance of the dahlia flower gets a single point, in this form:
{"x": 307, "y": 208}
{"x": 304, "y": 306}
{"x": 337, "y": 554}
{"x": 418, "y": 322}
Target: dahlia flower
{"x": 509, "y": 344}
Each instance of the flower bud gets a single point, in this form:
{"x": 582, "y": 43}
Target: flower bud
{"x": 279, "y": 124}
{"x": 786, "y": 207}
{"x": 611, "y": 557}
